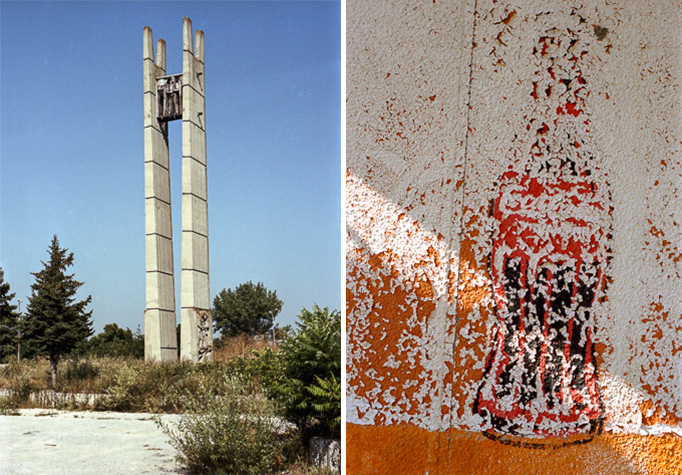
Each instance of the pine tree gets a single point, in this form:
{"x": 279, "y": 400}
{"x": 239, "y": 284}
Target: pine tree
{"x": 55, "y": 322}
{"x": 9, "y": 320}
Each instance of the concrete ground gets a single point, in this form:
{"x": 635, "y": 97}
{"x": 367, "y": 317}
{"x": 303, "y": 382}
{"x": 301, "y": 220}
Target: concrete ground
{"x": 44, "y": 441}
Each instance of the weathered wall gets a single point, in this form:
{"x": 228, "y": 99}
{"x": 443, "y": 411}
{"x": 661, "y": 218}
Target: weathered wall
{"x": 514, "y": 232}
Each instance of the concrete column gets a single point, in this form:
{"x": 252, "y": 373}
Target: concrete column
{"x": 159, "y": 317}
{"x": 196, "y": 330}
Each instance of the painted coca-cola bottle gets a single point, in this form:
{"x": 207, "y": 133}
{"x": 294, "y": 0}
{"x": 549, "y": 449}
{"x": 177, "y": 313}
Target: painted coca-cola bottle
{"x": 548, "y": 264}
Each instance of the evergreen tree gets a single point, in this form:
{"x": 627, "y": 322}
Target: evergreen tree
{"x": 248, "y": 309}
{"x": 9, "y": 321}
{"x": 55, "y": 322}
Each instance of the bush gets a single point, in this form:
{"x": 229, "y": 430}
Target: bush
{"x": 124, "y": 388}
{"x": 311, "y": 388}
{"x": 238, "y": 433}
{"x": 136, "y": 385}
{"x": 79, "y": 376}
{"x": 131, "y": 384}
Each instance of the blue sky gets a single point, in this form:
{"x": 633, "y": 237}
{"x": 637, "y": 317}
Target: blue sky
{"x": 71, "y": 146}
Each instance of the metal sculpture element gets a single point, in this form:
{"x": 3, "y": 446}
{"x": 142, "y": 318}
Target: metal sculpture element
{"x": 205, "y": 340}
{"x": 169, "y": 93}
{"x": 548, "y": 263}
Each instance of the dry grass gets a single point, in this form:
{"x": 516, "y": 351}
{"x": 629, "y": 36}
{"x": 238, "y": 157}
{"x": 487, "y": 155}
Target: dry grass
{"x": 228, "y": 349}
{"x": 137, "y": 385}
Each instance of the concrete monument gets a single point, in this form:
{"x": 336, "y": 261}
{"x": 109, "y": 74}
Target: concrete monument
{"x": 166, "y": 98}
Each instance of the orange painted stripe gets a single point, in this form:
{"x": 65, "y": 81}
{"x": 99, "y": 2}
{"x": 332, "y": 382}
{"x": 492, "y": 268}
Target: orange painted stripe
{"x": 406, "y": 449}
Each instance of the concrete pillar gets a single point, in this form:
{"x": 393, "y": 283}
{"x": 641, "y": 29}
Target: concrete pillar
{"x": 159, "y": 317}
{"x": 196, "y": 324}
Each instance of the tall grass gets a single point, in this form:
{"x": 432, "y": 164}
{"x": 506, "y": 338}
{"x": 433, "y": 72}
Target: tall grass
{"x": 240, "y": 346}
{"x": 135, "y": 385}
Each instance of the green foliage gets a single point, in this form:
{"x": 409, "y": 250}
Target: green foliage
{"x": 248, "y": 309}
{"x": 9, "y": 320}
{"x": 311, "y": 389}
{"x": 124, "y": 388}
{"x": 237, "y": 433}
{"x": 56, "y": 323}
{"x": 265, "y": 368}
{"x": 117, "y": 342}
{"x": 325, "y": 398}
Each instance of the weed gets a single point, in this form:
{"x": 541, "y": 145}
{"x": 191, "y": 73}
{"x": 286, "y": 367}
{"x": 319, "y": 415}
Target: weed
{"x": 8, "y": 407}
{"x": 242, "y": 345}
{"x": 18, "y": 379}
{"x": 238, "y": 433}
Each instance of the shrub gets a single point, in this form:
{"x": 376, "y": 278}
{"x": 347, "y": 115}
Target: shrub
{"x": 311, "y": 389}
{"x": 136, "y": 385}
{"x": 124, "y": 388}
{"x": 325, "y": 399}
{"x": 238, "y": 433}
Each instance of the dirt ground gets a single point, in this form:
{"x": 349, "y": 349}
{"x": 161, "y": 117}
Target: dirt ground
{"x": 42, "y": 441}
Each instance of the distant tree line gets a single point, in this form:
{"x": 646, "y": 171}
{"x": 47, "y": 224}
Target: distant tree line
{"x": 116, "y": 342}
{"x": 55, "y": 325}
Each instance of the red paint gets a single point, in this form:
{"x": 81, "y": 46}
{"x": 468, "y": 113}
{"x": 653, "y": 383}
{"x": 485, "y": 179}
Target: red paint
{"x": 548, "y": 264}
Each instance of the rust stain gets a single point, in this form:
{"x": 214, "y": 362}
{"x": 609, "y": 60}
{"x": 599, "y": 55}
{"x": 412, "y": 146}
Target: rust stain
{"x": 509, "y": 17}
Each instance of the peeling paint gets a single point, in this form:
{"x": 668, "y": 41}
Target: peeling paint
{"x": 514, "y": 235}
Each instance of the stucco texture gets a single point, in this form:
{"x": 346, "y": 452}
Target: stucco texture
{"x": 514, "y": 235}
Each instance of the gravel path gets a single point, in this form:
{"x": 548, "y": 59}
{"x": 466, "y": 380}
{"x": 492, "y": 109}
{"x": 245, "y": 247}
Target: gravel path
{"x": 41, "y": 441}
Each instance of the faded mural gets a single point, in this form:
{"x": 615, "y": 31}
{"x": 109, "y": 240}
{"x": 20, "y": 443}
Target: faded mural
{"x": 513, "y": 237}
{"x": 549, "y": 258}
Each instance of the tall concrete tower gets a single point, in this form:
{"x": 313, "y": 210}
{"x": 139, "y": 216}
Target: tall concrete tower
{"x": 166, "y": 98}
